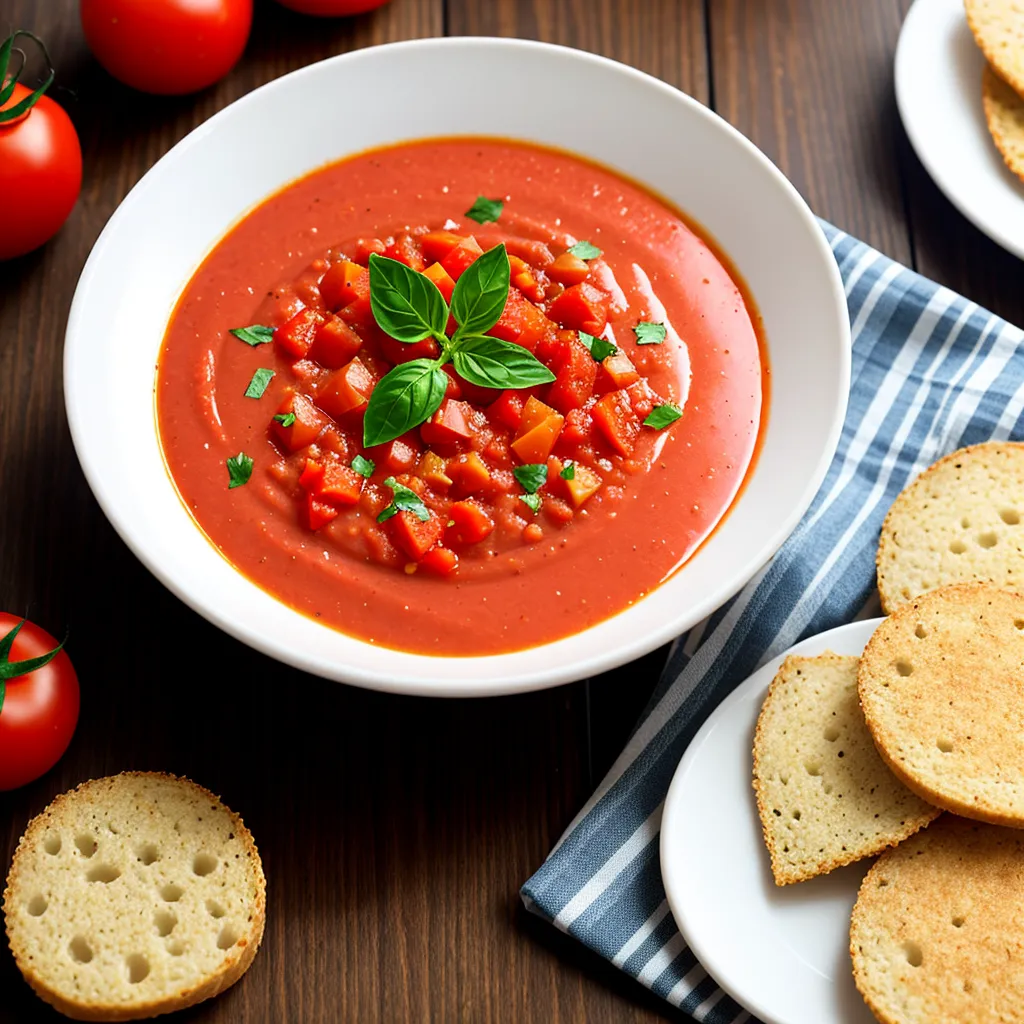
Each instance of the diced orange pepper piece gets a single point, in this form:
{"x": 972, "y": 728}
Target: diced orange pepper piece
{"x": 469, "y": 473}
{"x": 437, "y": 244}
{"x": 309, "y": 422}
{"x": 619, "y": 370}
{"x": 584, "y": 484}
{"x": 441, "y": 277}
{"x": 535, "y": 445}
{"x": 568, "y": 269}
{"x": 414, "y": 536}
{"x": 614, "y": 416}
{"x": 319, "y": 512}
{"x": 534, "y": 413}
{"x": 537, "y": 254}
{"x": 346, "y": 390}
{"x": 523, "y": 278}
{"x": 341, "y": 484}
{"x": 432, "y": 470}
{"x": 440, "y": 560}
{"x": 469, "y": 523}
{"x": 343, "y": 283}
{"x": 334, "y": 343}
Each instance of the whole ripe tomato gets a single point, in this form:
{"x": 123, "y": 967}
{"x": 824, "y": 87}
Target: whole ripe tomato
{"x": 332, "y": 8}
{"x": 39, "y": 709}
{"x": 168, "y": 47}
{"x": 40, "y": 174}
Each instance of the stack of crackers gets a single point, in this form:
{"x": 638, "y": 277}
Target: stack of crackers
{"x": 998, "y": 29}
{"x": 855, "y": 757}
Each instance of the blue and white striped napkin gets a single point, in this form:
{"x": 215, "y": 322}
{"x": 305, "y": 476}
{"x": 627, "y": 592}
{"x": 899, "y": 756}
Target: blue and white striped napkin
{"x": 931, "y": 372}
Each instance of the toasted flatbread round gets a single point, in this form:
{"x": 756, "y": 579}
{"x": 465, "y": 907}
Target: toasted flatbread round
{"x": 825, "y": 796}
{"x": 998, "y": 29}
{"x": 936, "y": 935}
{"x": 962, "y": 519}
{"x": 1004, "y": 115}
{"x": 941, "y": 683}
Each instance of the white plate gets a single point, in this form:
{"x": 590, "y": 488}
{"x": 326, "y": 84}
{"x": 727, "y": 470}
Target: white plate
{"x": 938, "y": 91}
{"x": 783, "y": 953}
{"x": 677, "y": 147}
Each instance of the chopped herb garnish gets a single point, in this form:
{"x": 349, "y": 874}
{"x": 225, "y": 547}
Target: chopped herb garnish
{"x": 585, "y": 250}
{"x": 569, "y": 472}
{"x": 598, "y": 347}
{"x": 531, "y": 501}
{"x": 648, "y": 333}
{"x": 239, "y": 470}
{"x": 260, "y": 379}
{"x": 662, "y": 415}
{"x": 485, "y": 211}
{"x": 286, "y": 419}
{"x": 364, "y": 467}
{"x": 532, "y": 476}
{"x": 255, "y": 334}
{"x": 405, "y": 500}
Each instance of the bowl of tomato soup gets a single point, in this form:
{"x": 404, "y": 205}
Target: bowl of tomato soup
{"x": 458, "y": 398}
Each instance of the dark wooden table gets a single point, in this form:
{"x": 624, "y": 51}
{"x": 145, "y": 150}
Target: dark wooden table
{"x": 395, "y": 832}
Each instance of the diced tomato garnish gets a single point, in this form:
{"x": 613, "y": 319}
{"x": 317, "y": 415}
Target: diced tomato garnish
{"x": 615, "y": 418}
{"x": 309, "y": 421}
{"x": 440, "y": 560}
{"x": 437, "y": 244}
{"x": 334, "y": 343}
{"x": 521, "y": 321}
{"x": 312, "y": 476}
{"x": 367, "y": 246}
{"x": 643, "y": 398}
{"x": 507, "y": 409}
{"x": 406, "y": 250}
{"x": 578, "y": 426}
{"x": 295, "y": 336}
{"x": 469, "y": 474}
{"x": 449, "y": 425}
{"x": 523, "y": 278}
{"x": 319, "y": 512}
{"x": 465, "y": 253}
{"x": 346, "y": 390}
{"x": 341, "y": 484}
{"x": 414, "y": 536}
{"x": 397, "y": 456}
{"x": 404, "y": 352}
{"x": 568, "y": 269}
{"x": 575, "y": 372}
{"x": 537, "y": 254}
{"x": 619, "y": 370}
{"x": 441, "y": 277}
{"x": 343, "y": 283}
{"x": 558, "y": 512}
{"x": 459, "y": 387}
{"x": 581, "y": 308}
{"x": 469, "y": 522}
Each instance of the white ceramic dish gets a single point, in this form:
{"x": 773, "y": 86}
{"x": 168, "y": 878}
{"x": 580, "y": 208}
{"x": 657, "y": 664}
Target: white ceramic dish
{"x": 187, "y": 201}
{"x": 938, "y": 91}
{"x": 781, "y": 953}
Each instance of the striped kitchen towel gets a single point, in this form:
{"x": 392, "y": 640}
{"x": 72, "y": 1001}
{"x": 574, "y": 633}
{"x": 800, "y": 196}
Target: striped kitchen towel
{"x": 931, "y": 372}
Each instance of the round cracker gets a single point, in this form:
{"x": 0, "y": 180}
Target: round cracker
{"x": 935, "y": 934}
{"x": 1004, "y": 114}
{"x": 961, "y": 520}
{"x": 941, "y": 683}
{"x": 998, "y": 28}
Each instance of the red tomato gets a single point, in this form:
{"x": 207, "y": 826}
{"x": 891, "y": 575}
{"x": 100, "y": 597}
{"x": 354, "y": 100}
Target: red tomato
{"x": 168, "y": 47}
{"x": 40, "y": 709}
{"x": 332, "y": 8}
{"x": 40, "y": 174}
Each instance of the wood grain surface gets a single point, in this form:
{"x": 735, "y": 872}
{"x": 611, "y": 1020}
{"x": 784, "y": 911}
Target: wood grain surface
{"x": 396, "y": 832}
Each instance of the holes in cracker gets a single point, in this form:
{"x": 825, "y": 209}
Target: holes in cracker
{"x": 958, "y": 922}
{"x": 796, "y": 815}
{"x": 831, "y": 733}
{"x": 1010, "y": 516}
{"x": 80, "y": 950}
{"x": 37, "y": 905}
{"x": 944, "y": 744}
{"x": 105, "y": 873}
{"x": 957, "y": 547}
{"x": 176, "y": 947}
{"x": 171, "y": 893}
{"x": 138, "y": 968}
{"x": 920, "y": 632}
{"x": 1018, "y": 624}
{"x": 86, "y": 844}
{"x": 915, "y": 956}
{"x": 214, "y": 909}
{"x": 228, "y": 937}
{"x": 988, "y": 539}
{"x": 904, "y": 668}
{"x": 52, "y": 844}
{"x": 968, "y": 986}
{"x": 203, "y": 864}
{"x": 165, "y": 922}
{"x": 813, "y": 767}
{"x": 965, "y": 523}
{"x": 148, "y": 854}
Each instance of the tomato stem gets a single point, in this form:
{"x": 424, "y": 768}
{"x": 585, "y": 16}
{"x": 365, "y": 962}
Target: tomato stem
{"x": 7, "y": 84}
{"x": 10, "y": 669}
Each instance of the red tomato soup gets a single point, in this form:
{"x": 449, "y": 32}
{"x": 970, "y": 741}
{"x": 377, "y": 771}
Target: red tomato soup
{"x": 513, "y": 515}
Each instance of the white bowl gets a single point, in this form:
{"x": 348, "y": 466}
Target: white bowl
{"x": 613, "y": 114}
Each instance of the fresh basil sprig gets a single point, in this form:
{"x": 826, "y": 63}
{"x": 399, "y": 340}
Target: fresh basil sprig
{"x": 409, "y": 307}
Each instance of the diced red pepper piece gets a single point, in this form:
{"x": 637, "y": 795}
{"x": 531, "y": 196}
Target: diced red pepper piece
{"x": 343, "y": 283}
{"x": 341, "y": 484}
{"x": 535, "y": 443}
{"x": 335, "y": 343}
{"x": 319, "y": 512}
{"x": 365, "y": 247}
{"x": 440, "y": 560}
{"x": 469, "y": 473}
{"x": 396, "y": 351}
{"x": 568, "y": 269}
{"x": 581, "y": 308}
{"x": 575, "y": 372}
{"x": 465, "y": 253}
{"x": 537, "y": 254}
{"x": 615, "y": 418}
{"x": 437, "y": 244}
{"x": 469, "y": 523}
{"x": 578, "y": 426}
{"x": 346, "y": 390}
{"x": 406, "y": 250}
{"x": 295, "y": 336}
{"x": 619, "y": 370}
{"x": 312, "y": 476}
{"x": 441, "y": 277}
{"x": 309, "y": 421}
{"x": 449, "y": 425}
{"x": 507, "y": 409}
{"x": 397, "y": 456}
{"x": 414, "y": 536}
{"x": 521, "y": 321}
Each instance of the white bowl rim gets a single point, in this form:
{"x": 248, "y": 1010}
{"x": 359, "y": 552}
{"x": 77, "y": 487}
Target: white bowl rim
{"x": 432, "y": 682}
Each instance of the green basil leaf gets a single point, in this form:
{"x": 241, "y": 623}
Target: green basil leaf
{"x": 260, "y": 379}
{"x": 484, "y": 210}
{"x": 492, "y": 363}
{"x": 648, "y": 333}
{"x": 286, "y": 419}
{"x": 597, "y": 347}
{"x": 585, "y": 250}
{"x": 569, "y": 472}
{"x": 239, "y": 470}
{"x": 662, "y": 415}
{"x": 481, "y": 292}
{"x": 364, "y": 467}
{"x": 405, "y": 304}
{"x": 531, "y": 501}
{"x": 405, "y": 500}
{"x": 531, "y": 476}
{"x": 255, "y": 334}
{"x": 406, "y": 397}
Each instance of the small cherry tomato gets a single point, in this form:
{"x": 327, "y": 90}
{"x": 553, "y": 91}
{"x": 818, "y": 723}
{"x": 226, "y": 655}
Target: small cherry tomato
{"x": 167, "y": 47}
{"x": 38, "y": 701}
{"x": 332, "y": 8}
{"x": 40, "y": 164}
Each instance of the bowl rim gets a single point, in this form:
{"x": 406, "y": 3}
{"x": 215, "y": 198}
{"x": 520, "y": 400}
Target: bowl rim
{"x": 430, "y": 682}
